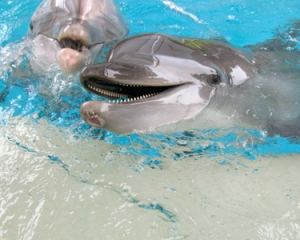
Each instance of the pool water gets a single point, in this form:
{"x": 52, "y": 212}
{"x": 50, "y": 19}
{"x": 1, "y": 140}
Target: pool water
{"x": 61, "y": 179}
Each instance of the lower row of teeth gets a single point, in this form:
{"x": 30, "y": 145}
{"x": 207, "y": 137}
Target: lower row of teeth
{"x": 111, "y": 94}
{"x": 131, "y": 99}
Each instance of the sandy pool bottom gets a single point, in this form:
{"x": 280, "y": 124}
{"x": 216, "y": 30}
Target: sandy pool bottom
{"x": 57, "y": 188}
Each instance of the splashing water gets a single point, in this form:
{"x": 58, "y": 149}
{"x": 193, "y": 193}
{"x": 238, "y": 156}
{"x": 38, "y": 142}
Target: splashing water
{"x": 181, "y": 181}
{"x": 173, "y": 6}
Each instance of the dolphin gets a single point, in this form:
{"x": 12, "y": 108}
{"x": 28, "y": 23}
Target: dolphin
{"x": 153, "y": 79}
{"x": 71, "y": 33}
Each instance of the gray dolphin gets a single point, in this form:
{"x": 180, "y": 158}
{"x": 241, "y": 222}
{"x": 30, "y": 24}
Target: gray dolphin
{"x": 72, "y": 32}
{"x": 160, "y": 79}
{"x": 153, "y": 80}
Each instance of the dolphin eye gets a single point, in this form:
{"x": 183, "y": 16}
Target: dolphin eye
{"x": 31, "y": 26}
{"x": 214, "y": 80}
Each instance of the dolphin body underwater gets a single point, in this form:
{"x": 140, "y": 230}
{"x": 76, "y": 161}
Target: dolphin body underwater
{"x": 71, "y": 33}
{"x": 154, "y": 79}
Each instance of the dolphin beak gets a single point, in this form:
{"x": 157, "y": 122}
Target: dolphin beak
{"x": 70, "y": 60}
{"x": 74, "y": 40}
{"x": 95, "y": 70}
{"x": 129, "y": 74}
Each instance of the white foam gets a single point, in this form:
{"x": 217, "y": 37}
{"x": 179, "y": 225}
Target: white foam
{"x": 173, "y": 6}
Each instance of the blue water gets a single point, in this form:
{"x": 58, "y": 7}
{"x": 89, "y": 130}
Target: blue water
{"x": 239, "y": 22}
{"x": 55, "y": 99}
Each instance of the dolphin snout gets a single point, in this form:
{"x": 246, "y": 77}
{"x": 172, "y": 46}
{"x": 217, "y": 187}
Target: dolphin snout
{"x": 70, "y": 60}
{"x": 74, "y": 40}
{"x": 90, "y": 116}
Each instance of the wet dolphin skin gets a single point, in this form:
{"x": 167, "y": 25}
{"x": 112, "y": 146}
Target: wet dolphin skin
{"x": 154, "y": 79}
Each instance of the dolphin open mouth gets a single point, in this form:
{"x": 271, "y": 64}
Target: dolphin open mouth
{"x": 74, "y": 41}
{"x": 123, "y": 92}
{"x": 75, "y": 36}
{"x": 73, "y": 44}
{"x": 124, "y": 83}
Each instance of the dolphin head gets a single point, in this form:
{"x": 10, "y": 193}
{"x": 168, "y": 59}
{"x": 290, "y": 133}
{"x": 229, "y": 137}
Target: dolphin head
{"x": 150, "y": 80}
{"x": 78, "y": 28}
{"x": 153, "y": 80}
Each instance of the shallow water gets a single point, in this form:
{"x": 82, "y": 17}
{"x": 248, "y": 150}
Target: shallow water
{"x": 60, "y": 179}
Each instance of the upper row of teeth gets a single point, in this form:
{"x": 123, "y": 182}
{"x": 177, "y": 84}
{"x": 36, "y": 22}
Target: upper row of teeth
{"x": 111, "y": 94}
{"x": 128, "y": 85}
{"x": 107, "y": 93}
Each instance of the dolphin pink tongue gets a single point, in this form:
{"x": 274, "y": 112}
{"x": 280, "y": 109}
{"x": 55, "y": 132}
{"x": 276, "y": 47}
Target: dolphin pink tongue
{"x": 95, "y": 121}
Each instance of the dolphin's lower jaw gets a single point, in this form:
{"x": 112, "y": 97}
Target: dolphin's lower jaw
{"x": 70, "y": 61}
{"x": 140, "y": 108}
{"x": 136, "y": 116}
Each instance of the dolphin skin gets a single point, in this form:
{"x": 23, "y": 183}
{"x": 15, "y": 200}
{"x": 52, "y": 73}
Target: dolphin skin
{"x": 71, "y": 33}
{"x": 152, "y": 80}
{"x": 158, "y": 80}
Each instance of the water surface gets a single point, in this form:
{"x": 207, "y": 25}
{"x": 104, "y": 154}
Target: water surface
{"x": 61, "y": 179}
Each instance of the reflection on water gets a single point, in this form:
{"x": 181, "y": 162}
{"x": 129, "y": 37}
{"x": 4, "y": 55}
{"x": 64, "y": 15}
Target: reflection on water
{"x": 65, "y": 180}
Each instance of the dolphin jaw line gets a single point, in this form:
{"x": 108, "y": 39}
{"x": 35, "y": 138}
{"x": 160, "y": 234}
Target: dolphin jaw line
{"x": 125, "y": 93}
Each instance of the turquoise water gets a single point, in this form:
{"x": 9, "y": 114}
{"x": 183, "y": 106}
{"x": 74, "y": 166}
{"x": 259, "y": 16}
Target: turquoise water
{"x": 40, "y": 121}
{"x": 241, "y": 23}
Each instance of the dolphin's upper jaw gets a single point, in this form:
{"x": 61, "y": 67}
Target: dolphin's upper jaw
{"x": 125, "y": 82}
